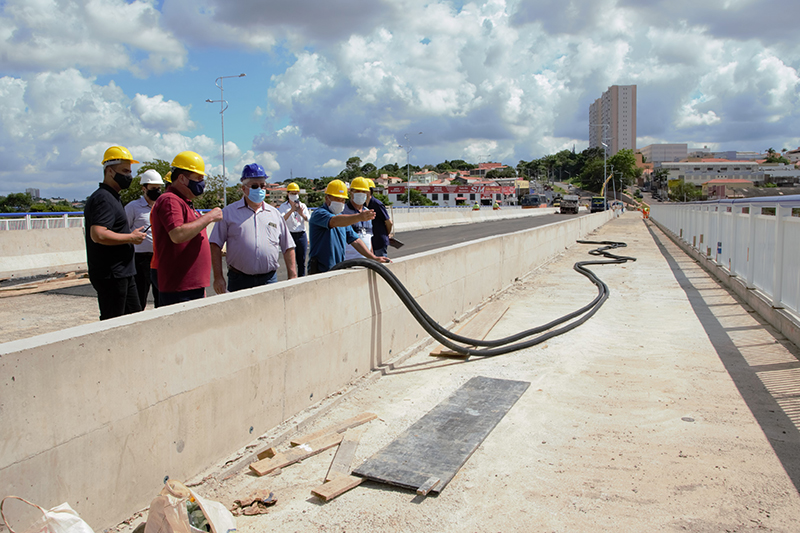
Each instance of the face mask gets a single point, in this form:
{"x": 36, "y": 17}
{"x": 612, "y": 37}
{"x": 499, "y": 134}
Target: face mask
{"x": 197, "y": 187}
{"x": 336, "y": 207}
{"x": 153, "y": 194}
{"x": 293, "y": 197}
{"x": 360, "y": 198}
{"x": 123, "y": 180}
{"x": 257, "y": 195}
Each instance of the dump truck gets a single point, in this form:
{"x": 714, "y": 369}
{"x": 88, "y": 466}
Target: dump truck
{"x": 569, "y": 204}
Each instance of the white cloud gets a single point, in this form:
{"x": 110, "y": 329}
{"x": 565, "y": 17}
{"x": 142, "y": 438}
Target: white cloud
{"x": 155, "y": 113}
{"x": 102, "y": 35}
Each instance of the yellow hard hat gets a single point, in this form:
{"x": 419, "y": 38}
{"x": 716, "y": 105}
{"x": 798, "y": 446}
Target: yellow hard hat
{"x": 371, "y": 183}
{"x": 117, "y": 153}
{"x": 337, "y": 189}
{"x": 360, "y": 184}
{"x": 293, "y": 187}
{"x": 190, "y": 161}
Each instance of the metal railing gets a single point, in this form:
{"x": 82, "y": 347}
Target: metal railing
{"x": 754, "y": 239}
{"x": 58, "y": 219}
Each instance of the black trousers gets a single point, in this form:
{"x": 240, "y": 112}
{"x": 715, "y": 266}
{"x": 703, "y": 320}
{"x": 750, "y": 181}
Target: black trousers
{"x": 300, "y": 247}
{"x": 116, "y": 296}
{"x": 142, "y": 261}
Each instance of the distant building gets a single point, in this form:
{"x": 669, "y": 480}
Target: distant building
{"x": 35, "y": 194}
{"x": 701, "y": 171}
{"x": 704, "y": 170}
{"x": 616, "y": 108}
{"x": 665, "y": 152}
{"x": 793, "y": 155}
{"x": 720, "y": 189}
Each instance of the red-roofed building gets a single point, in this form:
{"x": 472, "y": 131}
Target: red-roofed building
{"x": 720, "y": 189}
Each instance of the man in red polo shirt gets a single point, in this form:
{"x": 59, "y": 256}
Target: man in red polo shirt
{"x": 179, "y": 233}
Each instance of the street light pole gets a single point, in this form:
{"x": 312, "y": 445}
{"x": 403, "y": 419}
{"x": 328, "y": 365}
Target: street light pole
{"x": 408, "y": 149}
{"x": 223, "y": 105}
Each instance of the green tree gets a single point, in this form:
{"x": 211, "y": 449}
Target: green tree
{"x": 684, "y": 192}
{"x": 417, "y": 198}
{"x": 495, "y": 173}
{"x": 383, "y": 198}
{"x": 315, "y": 198}
{"x": 16, "y": 202}
{"x": 135, "y": 190}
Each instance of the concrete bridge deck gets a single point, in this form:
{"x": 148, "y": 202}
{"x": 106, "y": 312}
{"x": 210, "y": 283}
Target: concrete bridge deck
{"x": 675, "y": 408}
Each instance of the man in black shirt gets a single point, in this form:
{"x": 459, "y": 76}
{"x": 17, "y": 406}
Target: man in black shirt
{"x": 109, "y": 240}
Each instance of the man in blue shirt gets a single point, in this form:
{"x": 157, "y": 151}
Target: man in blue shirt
{"x": 330, "y": 231}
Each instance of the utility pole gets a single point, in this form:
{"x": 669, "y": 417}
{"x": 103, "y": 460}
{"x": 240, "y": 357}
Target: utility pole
{"x": 408, "y": 149}
{"x": 223, "y": 105}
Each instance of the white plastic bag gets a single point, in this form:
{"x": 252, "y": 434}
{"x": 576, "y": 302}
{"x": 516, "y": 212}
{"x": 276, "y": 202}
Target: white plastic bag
{"x": 220, "y": 518}
{"x": 59, "y": 519}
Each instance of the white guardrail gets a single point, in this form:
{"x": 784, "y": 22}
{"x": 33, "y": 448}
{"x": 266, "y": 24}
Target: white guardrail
{"x": 754, "y": 239}
{"x": 41, "y": 221}
{"x": 19, "y": 221}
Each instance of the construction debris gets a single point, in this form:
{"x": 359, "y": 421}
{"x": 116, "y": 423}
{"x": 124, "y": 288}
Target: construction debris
{"x": 341, "y": 427}
{"x": 258, "y": 502}
{"x": 265, "y": 466}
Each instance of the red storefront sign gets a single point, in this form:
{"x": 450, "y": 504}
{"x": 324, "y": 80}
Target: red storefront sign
{"x": 486, "y": 191}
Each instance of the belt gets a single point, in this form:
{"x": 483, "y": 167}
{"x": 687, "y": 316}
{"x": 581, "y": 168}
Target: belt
{"x": 297, "y": 232}
{"x": 239, "y": 272}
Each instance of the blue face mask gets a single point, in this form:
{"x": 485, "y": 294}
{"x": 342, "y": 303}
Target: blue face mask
{"x": 257, "y": 195}
{"x": 197, "y": 187}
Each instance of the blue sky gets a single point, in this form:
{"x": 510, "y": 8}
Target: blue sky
{"x": 326, "y": 81}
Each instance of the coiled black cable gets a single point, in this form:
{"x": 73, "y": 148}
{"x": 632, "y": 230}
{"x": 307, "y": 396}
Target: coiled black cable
{"x": 506, "y": 344}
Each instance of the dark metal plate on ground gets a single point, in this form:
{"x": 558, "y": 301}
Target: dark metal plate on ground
{"x": 440, "y": 442}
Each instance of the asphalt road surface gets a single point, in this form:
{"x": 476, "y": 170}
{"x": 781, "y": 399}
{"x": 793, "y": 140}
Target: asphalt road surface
{"x": 414, "y": 242}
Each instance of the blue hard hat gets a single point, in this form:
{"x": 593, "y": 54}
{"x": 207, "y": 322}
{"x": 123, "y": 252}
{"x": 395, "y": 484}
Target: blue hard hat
{"x": 253, "y": 170}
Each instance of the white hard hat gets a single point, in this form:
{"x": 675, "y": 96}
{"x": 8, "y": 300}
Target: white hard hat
{"x": 151, "y": 177}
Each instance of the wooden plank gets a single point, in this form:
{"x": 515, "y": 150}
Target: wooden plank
{"x": 340, "y": 485}
{"x": 440, "y": 442}
{"x": 363, "y": 418}
{"x": 478, "y": 327}
{"x": 267, "y": 454}
{"x": 343, "y": 460}
{"x": 292, "y": 455}
{"x": 8, "y": 292}
{"x": 428, "y": 486}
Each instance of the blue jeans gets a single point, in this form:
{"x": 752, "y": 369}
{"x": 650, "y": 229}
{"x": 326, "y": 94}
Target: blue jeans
{"x": 238, "y": 281}
{"x": 381, "y": 252}
{"x": 300, "y": 247}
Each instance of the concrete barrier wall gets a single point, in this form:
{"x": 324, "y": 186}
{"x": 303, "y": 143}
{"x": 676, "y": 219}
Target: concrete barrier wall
{"x": 98, "y": 415}
{"x": 41, "y": 251}
{"x": 46, "y": 251}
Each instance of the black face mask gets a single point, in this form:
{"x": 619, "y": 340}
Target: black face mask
{"x": 153, "y": 194}
{"x": 197, "y": 187}
{"x": 123, "y": 180}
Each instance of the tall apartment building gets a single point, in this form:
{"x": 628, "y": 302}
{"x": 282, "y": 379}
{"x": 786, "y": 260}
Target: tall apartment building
{"x": 612, "y": 119}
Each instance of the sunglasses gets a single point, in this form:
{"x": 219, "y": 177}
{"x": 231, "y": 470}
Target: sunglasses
{"x": 257, "y": 186}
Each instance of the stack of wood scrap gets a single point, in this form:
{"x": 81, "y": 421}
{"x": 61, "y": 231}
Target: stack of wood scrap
{"x": 478, "y": 327}
{"x": 338, "y": 479}
{"x": 71, "y": 279}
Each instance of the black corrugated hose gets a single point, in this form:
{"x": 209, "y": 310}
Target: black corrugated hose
{"x": 507, "y": 344}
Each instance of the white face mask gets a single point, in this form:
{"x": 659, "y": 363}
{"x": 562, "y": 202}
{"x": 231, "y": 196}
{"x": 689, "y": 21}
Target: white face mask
{"x": 336, "y": 207}
{"x": 359, "y": 198}
{"x": 293, "y": 197}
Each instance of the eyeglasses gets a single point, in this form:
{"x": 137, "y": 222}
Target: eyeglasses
{"x": 258, "y": 186}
